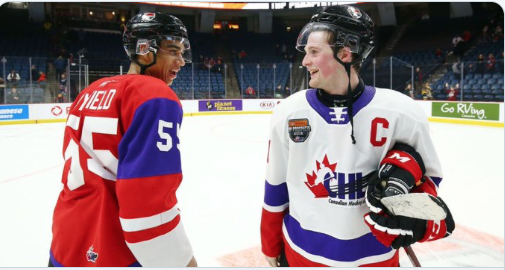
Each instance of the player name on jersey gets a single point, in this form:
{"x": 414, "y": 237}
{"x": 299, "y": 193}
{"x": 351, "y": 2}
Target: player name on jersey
{"x": 97, "y": 100}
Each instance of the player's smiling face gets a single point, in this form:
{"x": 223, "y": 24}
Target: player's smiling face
{"x": 169, "y": 61}
{"x": 320, "y": 62}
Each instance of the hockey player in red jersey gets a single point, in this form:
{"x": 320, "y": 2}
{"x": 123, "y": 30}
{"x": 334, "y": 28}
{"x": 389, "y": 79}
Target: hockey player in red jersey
{"x": 327, "y": 143}
{"x": 118, "y": 206}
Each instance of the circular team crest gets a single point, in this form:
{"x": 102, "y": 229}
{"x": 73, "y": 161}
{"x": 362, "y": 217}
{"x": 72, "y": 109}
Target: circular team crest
{"x": 56, "y": 110}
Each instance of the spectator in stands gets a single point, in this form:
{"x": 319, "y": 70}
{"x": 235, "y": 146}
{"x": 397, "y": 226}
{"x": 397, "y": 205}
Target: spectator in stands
{"x": 60, "y": 98}
{"x": 418, "y": 79}
{"x": 63, "y": 83}
{"x": 456, "y": 70}
{"x": 467, "y": 36}
{"x": 287, "y": 91}
{"x": 438, "y": 53}
{"x": 278, "y": 90}
{"x": 42, "y": 81}
{"x": 408, "y": 90}
{"x": 498, "y": 33}
{"x": 13, "y": 78}
{"x": 60, "y": 65}
{"x": 490, "y": 64}
{"x": 250, "y": 91}
{"x": 481, "y": 64}
{"x": 13, "y": 96}
{"x": 456, "y": 40}
{"x": 485, "y": 33}
{"x": 35, "y": 73}
{"x": 452, "y": 93}
{"x": 242, "y": 54}
{"x": 426, "y": 92}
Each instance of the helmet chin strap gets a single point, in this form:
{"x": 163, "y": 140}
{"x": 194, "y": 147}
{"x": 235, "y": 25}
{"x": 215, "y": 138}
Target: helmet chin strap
{"x": 350, "y": 101}
{"x": 144, "y": 67}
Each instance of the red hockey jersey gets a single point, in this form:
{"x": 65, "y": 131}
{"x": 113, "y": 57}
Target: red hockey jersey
{"x": 118, "y": 205}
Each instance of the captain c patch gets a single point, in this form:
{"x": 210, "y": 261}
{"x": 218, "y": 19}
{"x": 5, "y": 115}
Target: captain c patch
{"x": 299, "y": 130}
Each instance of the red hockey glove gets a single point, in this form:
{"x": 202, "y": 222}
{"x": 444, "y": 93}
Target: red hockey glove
{"x": 400, "y": 171}
{"x": 400, "y": 231}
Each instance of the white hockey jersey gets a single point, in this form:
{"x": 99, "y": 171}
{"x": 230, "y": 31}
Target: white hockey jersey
{"x": 312, "y": 208}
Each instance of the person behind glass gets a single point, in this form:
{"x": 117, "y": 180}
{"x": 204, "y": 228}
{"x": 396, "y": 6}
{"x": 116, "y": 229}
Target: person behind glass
{"x": 42, "y": 81}
{"x": 408, "y": 90}
{"x": 287, "y": 91}
{"x": 13, "y": 78}
{"x": 418, "y": 79}
{"x": 60, "y": 98}
{"x": 118, "y": 206}
{"x": 250, "y": 91}
{"x": 35, "y": 73}
{"x": 13, "y": 96}
{"x": 452, "y": 93}
{"x": 59, "y": 64}
{"x": 490, "y": 64}
{"x": 481, "y": 64}
{"x": 63, "y": 83}
{"x": 326, "y": 146}
{"x": 426, "y": 92}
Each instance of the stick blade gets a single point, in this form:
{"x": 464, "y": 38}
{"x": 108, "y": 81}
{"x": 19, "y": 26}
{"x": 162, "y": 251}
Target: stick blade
{"x": 414, "y": 205}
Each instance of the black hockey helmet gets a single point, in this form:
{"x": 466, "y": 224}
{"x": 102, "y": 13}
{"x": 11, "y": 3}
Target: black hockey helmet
{"x": 352, "y": 28}
{"x": 145, "y": 32}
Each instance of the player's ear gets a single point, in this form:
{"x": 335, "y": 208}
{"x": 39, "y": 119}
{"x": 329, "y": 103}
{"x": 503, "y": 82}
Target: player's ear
{"x": 146, "y": 58}
{"x": 346, "y": 55}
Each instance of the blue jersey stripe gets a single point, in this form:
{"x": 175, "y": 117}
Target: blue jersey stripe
{"x": 436, "y": 180}
{"x": 321, "y": 244}
{"x": 276, "y": 195}
{"x": 139, "y": 151}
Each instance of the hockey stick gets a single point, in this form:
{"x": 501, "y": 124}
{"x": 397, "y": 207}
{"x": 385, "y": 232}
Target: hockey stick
{"x": 412, "y": 256}
{"x": 415, "y": 205}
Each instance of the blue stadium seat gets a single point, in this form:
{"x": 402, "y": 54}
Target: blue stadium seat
{"x": 477, "y": 97}
{"x": 488, "y": 98}
{"x": 477, "y": 76}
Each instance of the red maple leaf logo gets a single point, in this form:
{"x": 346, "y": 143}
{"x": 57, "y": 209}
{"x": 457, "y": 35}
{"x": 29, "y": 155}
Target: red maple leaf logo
{"x": 315, "y": 181}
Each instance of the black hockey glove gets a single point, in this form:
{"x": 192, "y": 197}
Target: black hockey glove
{"x": 400, "y": 231}
{"x": 400, "y": 171}
{"x": 396, "y": 231}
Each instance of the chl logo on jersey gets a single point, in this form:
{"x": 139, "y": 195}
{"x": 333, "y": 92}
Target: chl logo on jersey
{"x": 299, "y": 130}
{"x": 340, "y": 188}
{"x": 91, "y": 255}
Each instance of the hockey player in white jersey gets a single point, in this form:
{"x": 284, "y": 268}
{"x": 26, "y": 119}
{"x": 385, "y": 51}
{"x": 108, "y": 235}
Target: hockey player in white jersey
{"x": 347, "y": 131}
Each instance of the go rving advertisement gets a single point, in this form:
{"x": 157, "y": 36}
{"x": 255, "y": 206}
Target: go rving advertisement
{"x": 466, "y": 110}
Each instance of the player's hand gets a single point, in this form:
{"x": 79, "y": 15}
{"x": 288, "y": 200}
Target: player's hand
{"x": 396, "y": 231}
{"x": 401, "y": 170}
{"x": 192, "y": 263}
{"x": 273, "y": 261}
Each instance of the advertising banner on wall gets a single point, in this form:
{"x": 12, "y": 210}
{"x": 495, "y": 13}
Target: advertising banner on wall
{"x": 466, "y": 110}
{"x": 219, "y": 105}
{"x": 49, "y": 111}
{"x": 261, "y": 104}
{"x": 14, "y": 112}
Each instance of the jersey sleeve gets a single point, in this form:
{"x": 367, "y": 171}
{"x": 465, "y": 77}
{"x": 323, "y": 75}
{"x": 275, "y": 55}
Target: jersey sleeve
{"x": 149, "y": 173}
{"x": 276, "y": 200}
